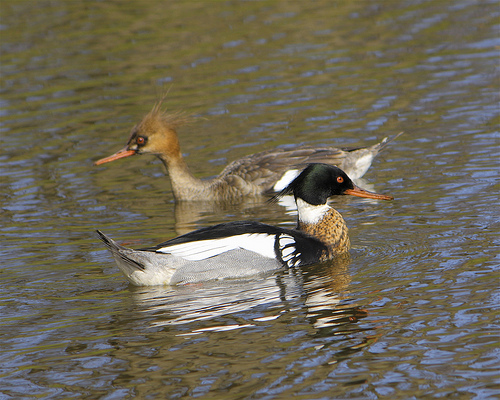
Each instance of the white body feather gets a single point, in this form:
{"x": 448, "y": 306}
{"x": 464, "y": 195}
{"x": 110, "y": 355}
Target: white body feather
{"x": 260, "y": 243}
{"x": 285, "y": 180}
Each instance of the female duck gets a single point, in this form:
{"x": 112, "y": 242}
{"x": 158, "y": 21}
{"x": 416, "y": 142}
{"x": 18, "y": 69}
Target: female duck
{"x": 252, "y": 175}
{"x": 241, "y": 249}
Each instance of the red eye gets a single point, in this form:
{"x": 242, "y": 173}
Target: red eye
{"x": 140, "y": 140}
{"x": 340, "y": 179}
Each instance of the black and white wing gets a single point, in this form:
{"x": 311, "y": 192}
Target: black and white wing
{"x": 290, "y": 247}
{"x": 295, "y": 249}
{"x": 215, "y": 240}
{"x": 260, "y": 243}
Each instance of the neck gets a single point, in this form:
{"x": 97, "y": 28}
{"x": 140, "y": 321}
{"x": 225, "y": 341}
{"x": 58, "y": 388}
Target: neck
{"x": 185, "y": 185}
{"x": 325, "y": 224}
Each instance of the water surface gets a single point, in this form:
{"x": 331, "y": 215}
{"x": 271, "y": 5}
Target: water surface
{"x": 412, "y": 314}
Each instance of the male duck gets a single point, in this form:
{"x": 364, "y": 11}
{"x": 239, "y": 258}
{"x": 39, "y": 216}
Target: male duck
{"x": 241, "y": 249}
{"x": 252, "y": 175}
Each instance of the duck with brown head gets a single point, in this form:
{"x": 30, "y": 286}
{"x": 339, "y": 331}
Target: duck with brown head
{"x": 253, "y": 175}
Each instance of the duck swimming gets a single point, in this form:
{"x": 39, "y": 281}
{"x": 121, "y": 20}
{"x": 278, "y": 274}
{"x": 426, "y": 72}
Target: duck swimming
{"x": 253, "y": 175}
{"x": 246, "y": 248}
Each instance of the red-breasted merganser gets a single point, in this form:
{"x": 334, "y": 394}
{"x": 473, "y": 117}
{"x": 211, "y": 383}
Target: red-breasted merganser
{"x": 253, "y": 175}
{"x": 242, "y": 249}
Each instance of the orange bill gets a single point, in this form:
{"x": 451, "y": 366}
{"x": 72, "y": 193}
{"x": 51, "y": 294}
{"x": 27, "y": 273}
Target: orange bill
{"x": 119, "y": 154}
{"x": 357, "y": 191}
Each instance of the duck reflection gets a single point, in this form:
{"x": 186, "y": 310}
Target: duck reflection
{"x": 325, "y": 288}
{"x": 189, "y": 214}
{"x": 320, "y": 294}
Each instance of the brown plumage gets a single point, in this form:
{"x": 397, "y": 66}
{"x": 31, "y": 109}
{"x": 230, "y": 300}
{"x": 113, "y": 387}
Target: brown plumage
{"x": 252, "y": 175}
{"x": 333, "y": 231}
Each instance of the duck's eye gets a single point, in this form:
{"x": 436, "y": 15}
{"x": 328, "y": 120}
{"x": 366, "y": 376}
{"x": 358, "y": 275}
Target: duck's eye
{"x": 340, "y": 179}
{"x": 140, "y": 140}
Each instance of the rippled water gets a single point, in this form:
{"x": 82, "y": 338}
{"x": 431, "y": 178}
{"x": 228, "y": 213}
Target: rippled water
{"x": 412, "y": 314}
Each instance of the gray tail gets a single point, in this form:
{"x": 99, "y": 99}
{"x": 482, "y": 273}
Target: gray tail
{"x": 379, "y": 147}
{"x": 376, "y": 148}
{"x": 120, "y": 254}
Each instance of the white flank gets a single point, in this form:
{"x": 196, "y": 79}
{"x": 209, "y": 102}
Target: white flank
{"x": 260, "y": 243}
{"x": 310, "y": 214}
{"x": 362, "y": 165}
{"x": 287, "y": 252}
{"x": 285, "y": 180}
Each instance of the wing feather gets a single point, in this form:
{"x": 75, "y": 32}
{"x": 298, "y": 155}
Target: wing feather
{"x": 287, "y": 245}
{"x": 260, "y": 243}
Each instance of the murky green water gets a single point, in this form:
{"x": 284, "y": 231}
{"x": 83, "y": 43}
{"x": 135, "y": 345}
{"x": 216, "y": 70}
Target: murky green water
{"x": 413, "y": 315}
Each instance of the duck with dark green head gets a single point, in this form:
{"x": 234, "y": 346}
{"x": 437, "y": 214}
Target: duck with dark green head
{"x": 245, "y": 248}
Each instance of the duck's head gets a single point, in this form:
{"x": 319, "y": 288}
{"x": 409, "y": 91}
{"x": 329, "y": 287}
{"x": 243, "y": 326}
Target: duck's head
{"x": 317, "y": 182}
{"x": 155, "y": 134}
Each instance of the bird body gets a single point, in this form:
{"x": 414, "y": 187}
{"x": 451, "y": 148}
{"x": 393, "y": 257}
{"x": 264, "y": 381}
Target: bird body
{"x": 246, "y": 248}
{"x": 253, "y": 175}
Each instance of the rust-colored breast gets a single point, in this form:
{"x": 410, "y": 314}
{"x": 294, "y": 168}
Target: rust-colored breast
{"x": 331, "y": 230}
